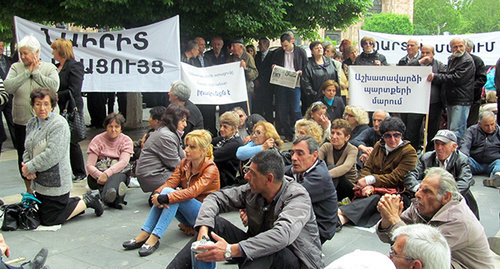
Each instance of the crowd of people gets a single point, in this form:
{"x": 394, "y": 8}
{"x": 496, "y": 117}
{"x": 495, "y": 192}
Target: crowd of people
{"x": 342, "y": 168}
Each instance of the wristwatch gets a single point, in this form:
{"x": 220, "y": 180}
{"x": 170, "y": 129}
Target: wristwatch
{"x": 228, "y": 253}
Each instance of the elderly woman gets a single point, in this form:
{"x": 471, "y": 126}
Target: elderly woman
{"x": 162, "y": 151}
{"x": 357, "y": 118}
{"x": 71, "y": 79}
{"x": 264, "y": 137}
{"x": 197, "y": 176}
{"x": 318, "y": 70}
{"x": 389, "y": 162}
{"x": 179, "y": 94}
{"x": 340, "y": 156}
{"x": 311, "y": 128}
{"x": 350, "y": 54}
{"x": 370, "y": 56}
{"x": 23, "y": 78}
{"x": 46, "y": 163}
{"x": 225, "y": 147}
{"x": 108, "y": 154}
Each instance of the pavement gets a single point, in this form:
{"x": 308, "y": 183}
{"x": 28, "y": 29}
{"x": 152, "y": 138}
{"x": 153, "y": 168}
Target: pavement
{"x": 88, "y": 241}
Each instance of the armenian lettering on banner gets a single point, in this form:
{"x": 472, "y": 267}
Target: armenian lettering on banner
{"x": 143, "y": 59}
{"x": 402, "y": 89}
{"x": 393, "y": 47}
{"x": 215, "y": 85}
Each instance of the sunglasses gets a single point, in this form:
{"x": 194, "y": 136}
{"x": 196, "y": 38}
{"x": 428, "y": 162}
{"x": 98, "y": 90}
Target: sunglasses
{"x": 367, "y": 43}
{"x": 395, "y": 135}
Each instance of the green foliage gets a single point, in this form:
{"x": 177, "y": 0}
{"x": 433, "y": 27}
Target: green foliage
{"x": 389, "y": 23}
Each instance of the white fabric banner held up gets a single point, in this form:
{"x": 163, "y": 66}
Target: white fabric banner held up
{"x": 143, "y": 59}
{"x": 402, "y": 89}
{"x": 393, "y": 47}
{"x": 215, "y": 85}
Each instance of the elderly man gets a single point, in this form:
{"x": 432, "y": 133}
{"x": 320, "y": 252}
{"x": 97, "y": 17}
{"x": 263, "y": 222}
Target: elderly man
{"x": 366, "y": 140}
{"x": 438, "y": 203}
{"x": 264, "y": 91}
{"x": 419, "y": 246}
{"x": 245, "y": 126}
{"x": 412, "y": 47}
{"x": 479, "y": 81}
{"x": 201, "y": 58}
{"x": 282, "y": 230}
{"x": 293, "y": 58}
{"x": 481, "y": 143}
{"x": 445, "y": 156}
{"x": 312, "y": 173}
{"x": 225, "y": 147}
{"x": 457, "y": 85}
{"x": 179, "y": 94}
{"x": 216, "y": 55}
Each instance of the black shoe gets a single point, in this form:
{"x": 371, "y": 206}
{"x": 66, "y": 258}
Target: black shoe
{"x": 92, "y": 200}
{"x": 1, "y": 202}
{"x": 38, "y": 261}
{"x": 109, "y": 196}
{"x": 132, "y": 244}
{"x": 148, "y": 250}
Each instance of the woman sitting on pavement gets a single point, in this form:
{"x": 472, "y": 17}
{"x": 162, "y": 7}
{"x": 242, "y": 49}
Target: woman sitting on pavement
{"x": 46, "y": 163}
{"x": 108, "y": 154}
{"x": 334, "y": 104}
{"x": 311, "y": 128}
{"x": 317, "y": 112}
{"x": 197, "y": 175}
{"x": 386, "y": 167}
{"x": 264, "y": 137}
{"x": 340, "y": 156}
{"x": 162, "y": 152}
{"x": 357, "y": 118}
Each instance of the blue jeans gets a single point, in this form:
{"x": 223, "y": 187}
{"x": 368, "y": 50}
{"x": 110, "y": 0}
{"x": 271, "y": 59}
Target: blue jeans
{"x": 159, "y": 218}
{"x": 288, "y": 103}
{"x": 484, "y": 168}
{"x": 457, "y": 120}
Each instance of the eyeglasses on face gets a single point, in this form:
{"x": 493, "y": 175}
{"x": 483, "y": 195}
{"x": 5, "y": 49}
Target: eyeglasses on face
{"x": 348, "y": 115}
{"x": 393, "y": 254}
{"x": 395, "y": 135}
{"x": 257, "y": 133}
{"x": 367, "y": 43}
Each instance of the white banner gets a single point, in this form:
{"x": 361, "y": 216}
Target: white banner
{"x": 143, "y": 59}
{"x": 402, "y": 89}
{"x": 215, "y": 85}
{"x": 393, "y": 47}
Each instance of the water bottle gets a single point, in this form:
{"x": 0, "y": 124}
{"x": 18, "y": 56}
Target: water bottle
{"x": 195, "y": 263}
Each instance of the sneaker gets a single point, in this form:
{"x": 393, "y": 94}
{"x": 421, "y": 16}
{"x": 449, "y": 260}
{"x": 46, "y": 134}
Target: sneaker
{"x": 133, "y": 183}
{"x": 79, "y": 178}
{"x": 122, "y": 189}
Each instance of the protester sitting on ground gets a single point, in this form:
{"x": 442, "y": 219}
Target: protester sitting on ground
{"x": 155, "y": 115}
{"x": 438, "y": 203}
{"x": 282, "y": 230}
{"x": 317, "y": 112}
{"x": 386, "y": 167}
{"x": 448, "y": 157}
{"x": 309, "y": 127}
{"x": 264, "y": 137}
{"x": 46, "y": 163}
{"x": 108, "y": 155}
{"x": 370, "y": 56}
{"x": 357, "y": 118}
{"x": 334, "y": 104}
{"x": 225, "y": 147}
{"x": 366, "y": 140}
{"x": 491, "y": 103}
{"x": 197, "y": 176}
{"x": 37, "y": 262}
{"x": 312, "y": 173}
{"x": 481, "y": 143}
{"x": 246, "y": 124}
{"x": 23, "y": 77}
{"x": 340, "y": 157}
{"x": 179, "y": 94}
{"x": 362, "y": 259}
{"x": 163, "y": 151}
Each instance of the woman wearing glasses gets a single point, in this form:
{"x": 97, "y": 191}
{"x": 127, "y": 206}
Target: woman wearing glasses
{"x": 357, "y": 118}
{"x": 264, "y": 137}
{"x": 370, "y": 56}
{"x": 391, "y": 158}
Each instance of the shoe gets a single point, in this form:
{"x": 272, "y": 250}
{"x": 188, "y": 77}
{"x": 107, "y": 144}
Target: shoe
{"x": 79, "y": 178}
{"x": 493, "y": 181}
{"x": 38, "y": 261}
{"x": 148, "y": 250}
{"x": 92, "y": 200}
{"x": 339, "y": 226}
{"x": 133, "y": 183}
{"x": 472, "y": 182}
{"x": 494, "y": 244}
{"x": 122, "y": 189}
{"x": 132, "y": 244}
{"x": 109, "y": 196}
{"x": 1, "y": 202}
{"x": 188, "y": 230}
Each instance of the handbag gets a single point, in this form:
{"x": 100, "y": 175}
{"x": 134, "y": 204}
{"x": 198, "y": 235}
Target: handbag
{"x": 29, "y": 218}
{"x": 22, "y": 215}
{"x": 381, "y": 191}
{"x": 10, "y": 216}
{"x": 75, "y": 120}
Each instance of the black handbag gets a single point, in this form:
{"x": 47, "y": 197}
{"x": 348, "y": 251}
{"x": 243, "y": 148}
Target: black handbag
{"x": 11, "y": 216}
{"x": 29, "y": 218}
{"x": 75, "y": 120}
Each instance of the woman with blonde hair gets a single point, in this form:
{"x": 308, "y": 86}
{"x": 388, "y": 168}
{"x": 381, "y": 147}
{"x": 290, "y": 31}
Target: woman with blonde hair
{"x": 197, "y": 176}
{"x": 264, "y": 136}
{"x": 309, "y": 127}
{"x": 357, "y": 118}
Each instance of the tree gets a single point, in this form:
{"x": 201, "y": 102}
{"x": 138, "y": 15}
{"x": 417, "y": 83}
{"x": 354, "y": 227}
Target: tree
{"x": 389, "y": 23}
{"x": 438, "y": 16}
{"x": 482, "y": 16}
{"x": 231, "y": 18}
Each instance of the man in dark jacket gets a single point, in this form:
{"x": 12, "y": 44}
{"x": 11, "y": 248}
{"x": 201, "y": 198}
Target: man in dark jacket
{"x": 458, "y": 85}
{"x": 264, "y": 91}
{"x": 312, "y": 173}
{"x": 6, "y": 108}
{"x": 479, "y": 81}
{"x": 481, "y": 143}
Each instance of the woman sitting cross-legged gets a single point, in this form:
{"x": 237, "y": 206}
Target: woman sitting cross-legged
{"x": 197, "y": 175}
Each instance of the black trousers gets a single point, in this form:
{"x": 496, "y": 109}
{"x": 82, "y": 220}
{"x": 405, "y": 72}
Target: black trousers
{"x": 113, "y": 182}
{"x": 76, "y": 159}
{"x": 435, "y": 112}
{"x": 20, "y": 133}
{"x": 284, "y": 258}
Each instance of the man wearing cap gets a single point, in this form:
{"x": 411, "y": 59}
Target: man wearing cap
{"x": 481, "y": 143}
{"x": 447, "y": 157}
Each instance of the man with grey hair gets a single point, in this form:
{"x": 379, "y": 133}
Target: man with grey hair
{"x": 457, "y": 86}
{"x": 438, "y": 203}
{"x": 190, "y": 53}
{"x": 481, "y": 143}
{"x": 216, "y": 55}
{"x": 419, "y": 246}
{"x": 479, "y": 81}
{"x": 179, "y": 94}
{"x": 366, "y": 140}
